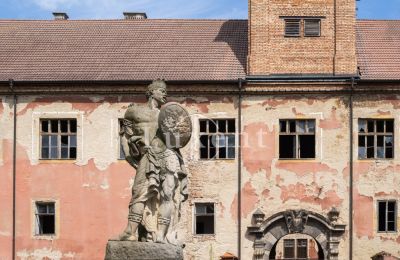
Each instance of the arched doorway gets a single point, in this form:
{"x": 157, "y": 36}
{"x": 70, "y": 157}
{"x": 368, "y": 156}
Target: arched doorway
{"x": 268, "y": 232}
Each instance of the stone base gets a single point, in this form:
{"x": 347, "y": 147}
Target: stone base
{"x": 133, "y": 250}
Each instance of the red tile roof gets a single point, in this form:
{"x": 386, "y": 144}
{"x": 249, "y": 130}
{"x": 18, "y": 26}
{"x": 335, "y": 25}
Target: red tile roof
{"x": 122, "y": 49}
{"x": 378, "y": 49}
{"x": 48, "y": 50}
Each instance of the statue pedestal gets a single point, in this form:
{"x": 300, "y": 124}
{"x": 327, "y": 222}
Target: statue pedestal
{"x": 133, "y": 250}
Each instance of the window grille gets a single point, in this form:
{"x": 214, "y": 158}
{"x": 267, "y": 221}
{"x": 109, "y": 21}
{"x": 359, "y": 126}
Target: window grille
{"x": 312, "y": 27}
{"x": 58, "y": 139}
{"x": 292, "y": 27}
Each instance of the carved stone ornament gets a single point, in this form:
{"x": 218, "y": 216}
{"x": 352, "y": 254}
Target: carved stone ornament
{"x": 296, "y": 220}
{"x": 175, "y": 125}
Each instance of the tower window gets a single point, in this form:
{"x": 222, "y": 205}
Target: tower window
{"x": 312, "y": 27}
{"x": 292, "y": 27}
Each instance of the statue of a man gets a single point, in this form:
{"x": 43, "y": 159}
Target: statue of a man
{"x": 159, "y": 170}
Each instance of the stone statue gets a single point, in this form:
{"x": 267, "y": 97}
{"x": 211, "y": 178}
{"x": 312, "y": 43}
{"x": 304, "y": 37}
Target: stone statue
{"x": 151, "y": 137}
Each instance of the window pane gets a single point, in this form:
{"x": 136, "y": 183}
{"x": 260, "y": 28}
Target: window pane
{"x": 301, "y": 126}
{"x": 361, "y": 140}
{"x": 221, "y": 126}
{"x": 53, "y": 140}
{"x": 72, "y": 140}
{"x": 210, "y": 208}
{"x": 292, "y": 27}
{"x": 54, "y": 126}
{"x": 231, "y": 152}
{"x": 72, "y": 124}
{"x": 380, "y": 126}
{"x": 292, "y": 126}
{"x": 302, "y": 248}
{"x": 391, "y": 206}
{"x": 45, "y": 140}
{"x": 64, "y": 140}
{"x": 312, "y": 27}
{"x": 212, "y": 128}
{"x": 311, "y": 126}
{"x": 370, "y": 125}
{"x": 64, "y": 152}
{"x": 204, "y": 224}
{"x": 47, "y": 224}
{"x": 362, "y": 125}
{"x": 370, "y": 147}
{"x": 380, "y": 152}
{"x": 231, "y": 126}
{"x": 282, "y": 126}
{"x": 362, "y": 152}
{"x": 45, "y": 153}
{"x": 72, "y": 153}
{"x": 50, "y": 208}
{"x": 391, "y": 226}
{"x": 382, "y": 216}
{"x": 41, "y": 208}
{"x": 201, "y": 208}
{"x": 64, "y": 126}
{"x": 287, "y": 146}
{"x": 45, "y": 126}
{"x": 307, "y": 146}
{"x": 288, "y": 248}
{"x": 231, "y": 140}
{"x": 389, "y": 126}
{"x": 203, "y": 125}
{"x": 54, "y": 153}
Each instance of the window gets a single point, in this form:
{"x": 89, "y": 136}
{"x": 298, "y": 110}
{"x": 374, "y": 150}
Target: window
{"x": 296, "y": 139}
{"x": 312, "y": 27}
{"x": 375, "y": 138}
{"x": 217, "y": 139}
{"x": 121, "y": 154}
{"x": 58, "y": 138}
{"x": 292, "y": 27}
{"x": 387, "y": 216}
{"x": 295, "y": 249}
{"x": 204, "y": 218}
{"x": 45, "y": 218}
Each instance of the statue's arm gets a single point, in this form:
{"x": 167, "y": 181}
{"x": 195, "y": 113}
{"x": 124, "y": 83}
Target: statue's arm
{"x": 130, "y": 150}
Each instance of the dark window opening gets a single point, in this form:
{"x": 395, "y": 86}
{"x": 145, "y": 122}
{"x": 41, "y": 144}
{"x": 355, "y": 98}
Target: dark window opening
{"x": 387, "y": 216}
{"x": 375, "y": 139}
{"x": 217, "y": 138}
{"x": 58, "y": 139}
{"x": 288, "y": 248}
{"x": 45, "y": 218}
{"x": 297, "y": 139}
{"x": 204, "y": 218}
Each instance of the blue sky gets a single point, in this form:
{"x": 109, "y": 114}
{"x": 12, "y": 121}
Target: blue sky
{"x": 106, "y": 9}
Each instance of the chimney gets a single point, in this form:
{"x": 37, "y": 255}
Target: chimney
{"x": 60, "y": 16}
{"x": 134, "y": 16}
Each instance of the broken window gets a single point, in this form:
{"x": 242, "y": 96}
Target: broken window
{"x": 121, "y": 154}
{"x": 217, "y": 138}
{"x": 58, "y": 138}
{"x": 45, "y": 218}
{"x": 295, "y": 249}
{"x": 297, "y": 139}
{"x": 387, "y": 216}
{"x": 204, "y": 218}
{"x": 375, "y": 138}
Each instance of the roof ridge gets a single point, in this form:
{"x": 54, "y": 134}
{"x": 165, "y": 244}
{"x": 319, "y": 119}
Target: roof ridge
{"x": 122, "y": 19}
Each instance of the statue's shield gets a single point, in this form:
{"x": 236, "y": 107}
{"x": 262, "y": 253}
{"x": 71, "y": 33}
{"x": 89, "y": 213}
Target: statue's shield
{"x": 175, "y": 125}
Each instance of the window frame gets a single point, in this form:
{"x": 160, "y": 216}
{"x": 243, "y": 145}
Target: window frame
{"x": 305, "y": 20}
{"x": 295, "y": 248}
{"x": 386, "y": 216}
{"x": 289, "y": 20}
{"x": 297, "y": 134}
{"x": 195, "y": 215}
{"x": 37, "y": 233}
{"x": 58, "y": 134}
{"x": 375, "y": 134}
{"x": 216, "y": 134}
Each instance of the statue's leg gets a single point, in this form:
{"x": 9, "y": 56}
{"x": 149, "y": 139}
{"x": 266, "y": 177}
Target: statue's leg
{"x": 134, "y": 218}
{"x": 166, "y": 207}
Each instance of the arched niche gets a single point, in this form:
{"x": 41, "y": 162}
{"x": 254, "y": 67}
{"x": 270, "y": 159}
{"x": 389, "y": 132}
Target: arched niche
{"x": 266, "y": 232}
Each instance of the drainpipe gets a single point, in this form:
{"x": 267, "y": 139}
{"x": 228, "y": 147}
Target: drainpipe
{"x": 11, "y": 85}
{"x": 240, "y": 170}
{"x": 351, "y": 172}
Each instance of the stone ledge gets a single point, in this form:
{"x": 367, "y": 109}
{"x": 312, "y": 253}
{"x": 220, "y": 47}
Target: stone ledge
{"x": 133, "y": 250}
